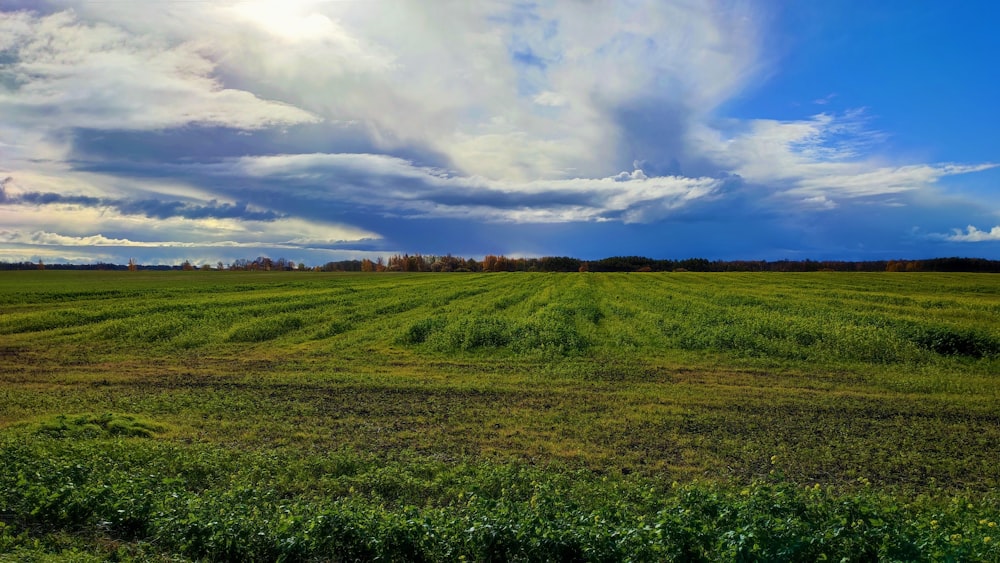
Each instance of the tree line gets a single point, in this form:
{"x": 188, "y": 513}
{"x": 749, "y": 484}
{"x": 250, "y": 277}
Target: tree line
{"x": 499, "y": 263}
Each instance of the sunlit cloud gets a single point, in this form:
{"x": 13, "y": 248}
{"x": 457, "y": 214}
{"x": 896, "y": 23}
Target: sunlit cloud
{"x": 43, "y": 225}
{"x": 69, "y": 73}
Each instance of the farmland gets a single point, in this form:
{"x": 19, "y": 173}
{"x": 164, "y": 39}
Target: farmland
{"x": 302, "y": 415}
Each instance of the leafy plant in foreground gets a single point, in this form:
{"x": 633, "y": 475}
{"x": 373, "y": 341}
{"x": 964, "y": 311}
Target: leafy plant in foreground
{"x": 136, "y": 491}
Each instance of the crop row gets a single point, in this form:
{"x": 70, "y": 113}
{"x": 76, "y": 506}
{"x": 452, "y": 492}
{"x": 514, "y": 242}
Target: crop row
{"x": 133, "y": 496}
{"x": 757, "y": 318}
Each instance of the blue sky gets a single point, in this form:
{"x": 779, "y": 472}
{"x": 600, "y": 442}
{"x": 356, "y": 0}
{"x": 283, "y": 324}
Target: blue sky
{"x": 316, "y": 131}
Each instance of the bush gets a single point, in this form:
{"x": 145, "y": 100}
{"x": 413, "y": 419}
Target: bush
{"x": 94, "y": 426}
{"x": 265, "y": 329}
{"x": 951, "y": 341}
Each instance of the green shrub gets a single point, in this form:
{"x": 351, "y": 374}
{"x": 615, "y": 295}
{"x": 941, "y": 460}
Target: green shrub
{"x": 480, "y": 332}
{"x": 952, "y": 341}
{"x": 263, "y": 330}
{"x": 421, "y": 330}
{"x": 95, "y": 426}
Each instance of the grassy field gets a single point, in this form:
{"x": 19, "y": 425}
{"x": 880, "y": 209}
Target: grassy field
{"x": 678, "y": 416}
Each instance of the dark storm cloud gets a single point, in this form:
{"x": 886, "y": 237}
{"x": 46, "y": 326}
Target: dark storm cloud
{"x": 3, "y": 188}
{"x": 657, "y": 140}
{"x": 101, "y": 150}
{"x": 152, "y": 208}
{"x": 504, "y": 200}
{"x": 345, "y": 186}
{"x": 215, "y": 210}
{"x": 37, "y": 198}
{"x": 25, "y": 5}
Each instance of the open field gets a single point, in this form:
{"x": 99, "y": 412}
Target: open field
{"x": 236, "y": 415}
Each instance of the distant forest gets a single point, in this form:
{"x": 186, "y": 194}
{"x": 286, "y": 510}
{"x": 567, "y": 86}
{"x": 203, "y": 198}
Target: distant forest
{"x": 492, "y": 263}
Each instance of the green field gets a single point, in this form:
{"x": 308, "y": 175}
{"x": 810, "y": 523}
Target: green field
{"x": 664, "y": 416}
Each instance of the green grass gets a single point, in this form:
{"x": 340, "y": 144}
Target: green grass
{"x": 685, "y": 416}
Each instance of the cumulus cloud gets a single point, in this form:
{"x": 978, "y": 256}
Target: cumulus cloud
{"x": 515, "y": 91}
{"x": 63, "y": 72}
{"x": 972, "y": 234}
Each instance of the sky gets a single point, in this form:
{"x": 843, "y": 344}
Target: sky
{"x": 317, "y": 131}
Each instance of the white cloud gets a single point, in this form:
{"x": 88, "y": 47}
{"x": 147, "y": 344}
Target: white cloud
{"x": 552, "y": 99}
{"x": 820, "y": 202}
{"x": 76, "y": 225}
{"x": 822, "y": 159}
{"x": 69, "y": 73}
{"x": 43, "y": 238}
{"x": 849, "y": 181}
{"x": 447, "y": 77}
{"x": 291, "y": 22}
{"x": 448, "y": 81}
{"x": 52, "y": 254}
{"x": 972, "y": 234}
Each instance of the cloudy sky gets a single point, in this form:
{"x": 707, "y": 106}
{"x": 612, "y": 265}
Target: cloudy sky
{"x": 312, "y": 130}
